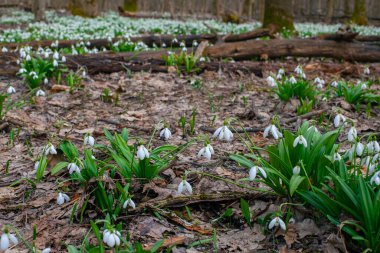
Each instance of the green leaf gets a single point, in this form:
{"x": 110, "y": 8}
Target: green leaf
{"x": 157, "y": 246}
{"x": 295, "y": 181}
{"x": 245, "y": 210}
{"x": 72, "y": 249}
{"x": 41, "y": 168}
{"x": 58, "y": 167}
{"x": 242, "y": 160}
{"x": 70, "y": 151}
{"x": 96, "y": 231}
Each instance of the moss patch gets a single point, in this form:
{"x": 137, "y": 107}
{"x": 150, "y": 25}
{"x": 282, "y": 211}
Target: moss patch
{"x": 130, "y": 5}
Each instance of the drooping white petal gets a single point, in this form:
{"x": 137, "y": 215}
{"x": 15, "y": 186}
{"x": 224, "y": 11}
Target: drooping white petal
{"x": 4, "y": 242}
{"x": 201, "y": 152}
{"x": 266, "y": 131}
{"x": 207, "y": 153}
{"x": 117, "y": 240}
{"x": 352, "y": 134}
{"x": 252, "y": 173}
{"x": 211, "y": 149}
{"x": 296, "y": 170}
{"x": 188, "y": 187}
{"x": 282, "y": 224}
{"x": 296, "y": 141}
{"x": 13, "y": 238}
{"x": 106, "y": 235}
{"x": 111, "y": 241}
{"x": 60, "y": 199}
{"x": 337, "y": 157}
{"x": 272, "y": 223}
{"x": 217, "y": 132}
{"x": 66, "y": 197}
{"x": 262, "y": 171}
{"x": 47, "y": 250}
{"x": 359, "y": 149}
{"x": 180, "y": 187}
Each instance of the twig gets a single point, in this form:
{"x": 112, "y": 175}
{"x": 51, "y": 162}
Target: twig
{"x": 304, "y": 116}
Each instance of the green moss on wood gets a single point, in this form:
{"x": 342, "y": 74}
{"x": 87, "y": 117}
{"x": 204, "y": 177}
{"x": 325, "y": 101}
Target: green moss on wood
{"x": 130, "y": 5}
{"x": 277, "y": 18}
{"x": 359, "y": 16}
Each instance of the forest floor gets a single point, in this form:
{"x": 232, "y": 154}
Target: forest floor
{"x": 144, "y": 99}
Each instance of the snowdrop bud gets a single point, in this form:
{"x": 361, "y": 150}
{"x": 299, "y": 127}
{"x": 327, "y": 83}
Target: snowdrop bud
{"x": 339, "y": 118}
{"x": 271, "y": 82}
{"x": 55, "y": 63}
{"x": 275, "y": 222}
{"x": 373, "y": 147}
{"x": 253, "y": 172}
{"x": 142, "y": 152}
{"x": 11, "y": 90}
{"x": 223, "y": 133}
{"x": 62, "y": 198}
{"x": 56, "y": 55}
{"x": 89, "y": 140}
{"x": 111, "y": 238}
{"x": 40, "y": 93}
{"x": 28, "y": 58}
{"x": 46, "y": 81}
{"x": 63, "y": 59}
{"x": 298, "y": 70}
{"x": 165, "y": 134}
{"x": 273, "y": 130}
{"x": 129, "y": 202}
{"x": 184, "y": 185}
{"x": 366, "y": 71}
{"x": 300, "y": 140}
{"x": 296, "y": 170}
{"x": 334, "y": 84}
{"x": 337, "y": 157}
{"x": 352, "y": 134}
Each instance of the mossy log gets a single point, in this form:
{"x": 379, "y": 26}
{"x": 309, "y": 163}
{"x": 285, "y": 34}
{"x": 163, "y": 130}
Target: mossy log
{"x": 278, "y": 15}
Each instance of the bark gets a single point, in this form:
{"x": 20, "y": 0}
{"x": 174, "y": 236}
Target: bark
{"x": 261, "y": 32}
{"x": 248, "y": 8}
{"x": 216, "y": 5}
{"x": 329, "y": 11}
{"x": 84, "y": 8}
{"x": 38, "y": 9}
{"x": 359, "y": 16}
{"x": 278, "y": 14}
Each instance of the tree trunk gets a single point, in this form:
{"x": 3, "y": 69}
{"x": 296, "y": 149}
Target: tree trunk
{"x": 278, "y": 15}
{"x": 359, "y": 16}
{"x": 248, "y": 9}
{"x": 130, "y": 5}
{"x": 38, "y": 8}
{"x": 216, "y": 5}
{"x": 329, "y": 11}
{"x": 84, "y": 8}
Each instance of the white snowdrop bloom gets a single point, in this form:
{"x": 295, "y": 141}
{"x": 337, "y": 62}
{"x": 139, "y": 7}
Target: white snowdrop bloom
{"x": 334, "y": 84}
{"x": 195, "y": 43}
{"x": 18, "y": 62}
{"x": 6, "y": 240}
{"x": 296, "y": 170}
{"x": 4, "y": 50}
{"x": 11, "y": 90}
{"x": 300, "y": 140}
{"x": 184, "y": 185}
{"x": 36, "y": 164}
{"x": 46, "y": 54}
{"x": 292, "y": 80}
{"x": 28, "y": 58}
{"x": 56, "y": 55}
{"x": 22, "y": 70}
{"x": 359, "y": 149}
{"x": 279, "y": 77}
{"x": 281, "y": 72}
{"x": 303, "y": 75}
{"x": 253, "y": 172}
{"x": 89, "y": 140}
{"x": 352, "y": 134}
{"x": 298, "y": 70}
{"x": 165, "y": 134}
{"x": 73, "y": 167}
{"x": 182, "y": 44}
{"x": 184, "y": 49}
{"x": 202, "y": 59}
{"x": 271, "y": 82}
{"x": 84, "y": 73}
{"x": 313, "y": 128}
{"x": 111, "y": 238}
{"x": 339, "y": 118}
{"x": 206, "y": 152}
{"x": 129, "y": 202}
{"x": 373, "y": 147}
{"x": 47, "y": 250}
{"x": 46, "y": 81}
{"x": 273, "y": 130}
{"x": 371, "y": 167}
{"x": 366, "y": 71}
{"x": 363, "y": 86}
{"x": 175, "y": 40}
{"x": 318, "y": 80}
{"x": 375, "y": 178}
{"x": 275, "y": 222}
{"x": 63, "y": 59}
{"x": 62, "y": 198}
{"x": 223, "y": 133}
{"x": 40, "y": 93}
{"x": 142, "y": 152}
{"x": 163, "y": 45}
{"x": 55, "y": 63}
{"x": 50, "y": 149}
{"x": 337, "y": 157}
{"x": 319, "y": 85}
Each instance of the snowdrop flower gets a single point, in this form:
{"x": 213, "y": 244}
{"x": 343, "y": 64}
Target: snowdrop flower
{"x": 281, "y": 72}
{"x": 195, "y": 43}
{"x": 6, "y": 239}
{"x": 46, "y": 81}
{"x": 202, "y": 59}
{"x": 352, "y": 134}
{"x": 223, "y": 133}
{"x": 28, "y": 58}
{"x": 11, "y": 90}
{"x": 296, "y": 170}
{"x": 55, "y": 63}
{"x": 300, "y": 140}
{"x": 142, "y": 152}
{"x": 187, "y": 186}
{"x": 112, "y": 239}
{"x": 298, "y": 70}
{"x": 62, "y": 198}
{"x": 375, "y": 178}
{"x": 165, "y": 134}
{"x": 56, "y": 55}
{"x": 275, "y": 222}
{"x": 279, "y": 76}
{"x": 47, "y": 250}
{"x": 72, "y": 167}
{"x": 89, "y": 140}
{"x": 206, "y": 151}
{"x": 50, "y": 149}
{"x": 319, "y": 85}
{"x": 63, "y": 59}
{"x": 175, "y": 40}
{"x": 292, "y": 80}
{"x": 253, "y": 172}
{"x": 373, "y": 146}
{"x": 313, "y": 128}
{"x": 271, "y": 82}
{"x": 40, "y": 93}
{"x": 273, "y": 130}
{"x": 129, "y": 202}
{"x": 163, "y": 45}
{"x": 4, "y": 50}
{"x": 22, "y": 54}
{"x": 182, "y": 44}
{"x": 363, "y": 86}
{"x": 319, "y": 80}
{"x": 338, "y": 119}
{"x": 337, "y": 157}
{"x": 22, "y": 70}
{"x": 334, "y": 84}
{"x": 366, "y": 71}
{"x": 184, "y": 49}
{"x": 36, "y": 165}
{"x": 359, "y": 149}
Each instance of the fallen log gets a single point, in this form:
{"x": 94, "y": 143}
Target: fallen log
{"x": 262, "y": 32}
{"x": 297, "y": 47}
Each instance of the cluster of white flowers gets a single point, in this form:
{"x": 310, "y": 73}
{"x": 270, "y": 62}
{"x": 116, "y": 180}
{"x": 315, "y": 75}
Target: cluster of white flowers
{"x": 111, "y": 238}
